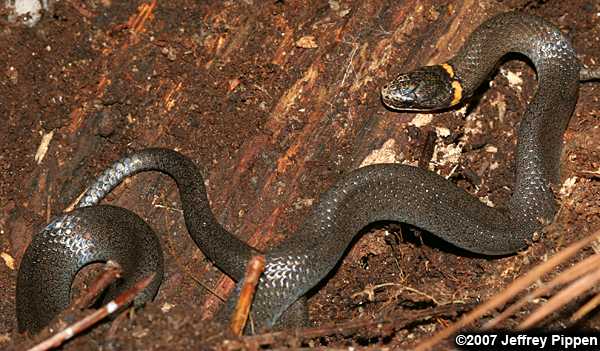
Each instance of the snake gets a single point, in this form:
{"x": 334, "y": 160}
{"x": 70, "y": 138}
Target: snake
{"x": 379, "y": 192}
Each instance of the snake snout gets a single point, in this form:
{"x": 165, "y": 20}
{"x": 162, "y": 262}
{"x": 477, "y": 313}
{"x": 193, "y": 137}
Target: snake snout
{"x": 424, "y": 89}
{"x": 401, "y": 93}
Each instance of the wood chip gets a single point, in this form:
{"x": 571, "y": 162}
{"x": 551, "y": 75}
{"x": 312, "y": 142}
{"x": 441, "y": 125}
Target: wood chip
{"x": 8, "y": 260}
{"x": 43, "y": 148}
{"x": 307, "y": 42}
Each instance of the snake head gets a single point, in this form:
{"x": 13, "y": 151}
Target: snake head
{"x": 425, "y": 89}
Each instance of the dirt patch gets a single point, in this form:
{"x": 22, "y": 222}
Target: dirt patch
{"x": 272, "y": 124}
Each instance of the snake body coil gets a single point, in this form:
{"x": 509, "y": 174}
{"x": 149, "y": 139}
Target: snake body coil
{"x": 389, "y": 192}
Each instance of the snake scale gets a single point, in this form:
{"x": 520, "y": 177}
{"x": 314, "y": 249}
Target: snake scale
{"x": 389, "y": 192}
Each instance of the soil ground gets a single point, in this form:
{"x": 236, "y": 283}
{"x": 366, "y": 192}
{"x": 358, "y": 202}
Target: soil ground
{"x": 273, "y": 121}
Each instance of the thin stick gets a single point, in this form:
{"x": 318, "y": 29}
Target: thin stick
{"x": 567, "y": 276}
{"x": 74, "y": 203}
{"x": 512, "y": 290}
{"x": 253, "y": 271}
{"x": 589, "y": 174}
{"x": 580, "y": 286}
{"x": 140, "y": 19}
{"x": 81, "y": 9}
{"x": 382, "y": 325}
{"x": 586, "y": 74}
{"x": 370, "y": 290}
{"x": 585, "y": 309}
{"x": 91, "y": 319}
{"x": 112, "y": 271}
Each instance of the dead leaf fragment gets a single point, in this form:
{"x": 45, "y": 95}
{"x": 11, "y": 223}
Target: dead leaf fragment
{"x": 43, "y": 148}
{"x": 233, "y": 83}
{"x": 8, "y": 260}
{"x": 307, "y": 42}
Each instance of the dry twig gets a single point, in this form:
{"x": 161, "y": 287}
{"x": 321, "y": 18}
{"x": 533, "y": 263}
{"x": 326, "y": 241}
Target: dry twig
{"x": 585, "y": 309}
{"x": 145, "y": 11}
{"x": 383, "y": 325}
{"x": 511, "y": 291}
{"x": 112, "y": 271}
{"x": 253, "y": 271}
{"x": 563, "y": 297}
{"x": 74, "y": 329}
{"x": 565, "y": 277}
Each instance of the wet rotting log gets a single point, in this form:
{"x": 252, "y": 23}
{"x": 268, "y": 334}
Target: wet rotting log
{"x": 327, "y": 117}
{"x": 273, "y": 100}
{"x": 273, "y": 122}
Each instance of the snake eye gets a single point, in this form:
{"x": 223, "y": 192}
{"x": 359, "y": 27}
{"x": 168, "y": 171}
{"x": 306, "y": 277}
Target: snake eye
{"x": 410, "y": 91}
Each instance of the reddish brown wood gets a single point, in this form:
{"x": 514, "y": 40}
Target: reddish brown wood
{"x": 316, "y": 111}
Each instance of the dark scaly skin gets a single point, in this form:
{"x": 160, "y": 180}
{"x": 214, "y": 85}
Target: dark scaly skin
{"x": 102, "y": 233}
{"x": 544, "y": 121}
{"x": 73, "y": 240}
{"x": 400, "y": 193}
{"x": 204, "y": 228}
{"x": 403, "y": 193}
